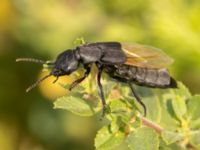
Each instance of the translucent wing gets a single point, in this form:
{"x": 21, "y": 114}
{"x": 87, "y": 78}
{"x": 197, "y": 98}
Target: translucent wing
{"x": 145, "y": 56}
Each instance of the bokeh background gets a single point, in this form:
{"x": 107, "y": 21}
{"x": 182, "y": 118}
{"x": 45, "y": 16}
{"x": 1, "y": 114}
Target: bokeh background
{"x": 44, "y": 28}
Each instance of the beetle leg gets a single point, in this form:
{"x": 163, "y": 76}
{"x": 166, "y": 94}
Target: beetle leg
{"x": 76, "y": 82}
{"x": 132, "y": 90}
{"x": 137, "y": 98}
{"x": 100, "y": 69}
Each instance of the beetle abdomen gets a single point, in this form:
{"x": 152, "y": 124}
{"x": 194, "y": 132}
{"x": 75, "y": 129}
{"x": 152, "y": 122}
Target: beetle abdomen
{"x": 159, "y": 78}
{"x": 151, "y": 77}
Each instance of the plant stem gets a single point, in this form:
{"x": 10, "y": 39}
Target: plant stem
{"x": 151, "y": 124}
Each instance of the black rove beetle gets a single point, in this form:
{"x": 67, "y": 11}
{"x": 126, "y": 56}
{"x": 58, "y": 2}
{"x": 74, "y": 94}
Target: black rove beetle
{"x": 128, "y": 63}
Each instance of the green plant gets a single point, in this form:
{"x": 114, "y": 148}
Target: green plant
{"x": 172, "y": 121}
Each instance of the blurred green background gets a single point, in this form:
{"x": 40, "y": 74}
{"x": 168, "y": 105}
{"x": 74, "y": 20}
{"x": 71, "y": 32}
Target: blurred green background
{"x": 44, "y": 28}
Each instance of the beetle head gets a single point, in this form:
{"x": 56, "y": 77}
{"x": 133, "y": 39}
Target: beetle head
{"x": 65, "y": 64}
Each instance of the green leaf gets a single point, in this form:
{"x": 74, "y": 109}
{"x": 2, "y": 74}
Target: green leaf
{"x": 163, "y": 145}
{"x": 174, "y": 146}
{"x": 194, "y": 111}
{"x": 173, "y": 100}
{"x": 122, "y": 146}
{"x": 195, "y": 139}
{"x": 182, "y": 91}
{"x": 179, "y": 97}
{"x": 118, "y": 106}
{"x": 195, "y": 124}
{"x": 179, "y": 106}
{"x": 79, "y": 41}
{"x": 80, "y": 104}
{"x": 108, "y": 138}
{"x": 143, "y": 139}
{"x": 171, "y": 137}
{"x": 168, "y": 120}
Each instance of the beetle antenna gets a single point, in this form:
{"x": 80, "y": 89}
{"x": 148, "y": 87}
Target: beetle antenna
{"x": 37, "y": 82}
{"x": 30, "y": 60}
{"x": 34, "y": 60}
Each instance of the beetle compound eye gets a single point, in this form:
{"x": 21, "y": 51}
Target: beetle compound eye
{"x": 37, "y": 82}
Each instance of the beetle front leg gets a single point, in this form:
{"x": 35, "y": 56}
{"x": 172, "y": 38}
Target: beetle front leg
{"x": 76, "y": 82}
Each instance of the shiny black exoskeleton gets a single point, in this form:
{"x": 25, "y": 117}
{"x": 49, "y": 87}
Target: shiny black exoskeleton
{"x": 109, "y": 56}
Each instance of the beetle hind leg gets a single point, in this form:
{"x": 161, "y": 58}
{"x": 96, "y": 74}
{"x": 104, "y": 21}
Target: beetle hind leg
{"x": 132, "y": 90}
{"x": 137, "y": 98}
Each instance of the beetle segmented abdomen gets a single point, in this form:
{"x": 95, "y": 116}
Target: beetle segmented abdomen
{"x": 159, "y": 78}
{"x": 153, "y": 77}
